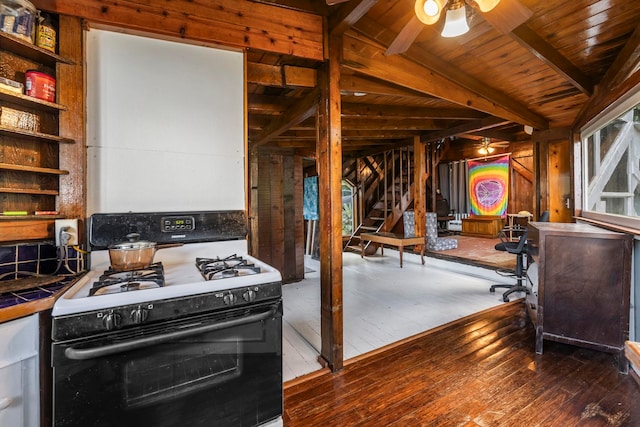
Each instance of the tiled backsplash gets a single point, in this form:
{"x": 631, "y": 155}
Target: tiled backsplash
{"x": 25, "y": 259}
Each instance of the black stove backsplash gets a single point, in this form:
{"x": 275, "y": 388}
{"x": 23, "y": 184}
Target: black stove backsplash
{"x": 167, "y": 227}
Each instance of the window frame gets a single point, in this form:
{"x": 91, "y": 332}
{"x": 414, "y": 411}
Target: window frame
{"x": 612, "y": 112}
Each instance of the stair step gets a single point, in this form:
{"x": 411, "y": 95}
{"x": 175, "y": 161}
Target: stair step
{"x": 353, "y": 248}
{"x": 367, "y": 227}
{"x": 376, "y": 218}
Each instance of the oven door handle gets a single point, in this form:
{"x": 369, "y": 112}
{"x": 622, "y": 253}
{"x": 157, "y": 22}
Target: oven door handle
{"x": 93, "y": 353}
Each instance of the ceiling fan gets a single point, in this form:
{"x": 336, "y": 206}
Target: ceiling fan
{"x": 486, "y": 146}
{"x": 503, "y": 15}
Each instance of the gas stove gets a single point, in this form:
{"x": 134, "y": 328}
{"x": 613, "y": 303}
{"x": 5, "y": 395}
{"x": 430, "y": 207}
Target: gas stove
{"x": 197, "y": 277}
{"x": 194, "y": 337}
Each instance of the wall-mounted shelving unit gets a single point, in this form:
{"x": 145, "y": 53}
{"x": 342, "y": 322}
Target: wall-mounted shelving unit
{"x": 29, "y": 157}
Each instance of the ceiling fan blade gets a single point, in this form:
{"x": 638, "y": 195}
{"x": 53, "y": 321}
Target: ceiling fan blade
{"x": 405, "y": 37}
{"x": 507, "y": 15}
{"x": 332, "y": 2}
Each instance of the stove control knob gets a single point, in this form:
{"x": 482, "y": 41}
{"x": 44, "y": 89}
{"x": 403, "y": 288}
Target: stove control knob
{"x": 139, "y": 315}
{"x": 230, "y": 299}
{"x": 111, "y": 320}
{"x": 249, "y": 295}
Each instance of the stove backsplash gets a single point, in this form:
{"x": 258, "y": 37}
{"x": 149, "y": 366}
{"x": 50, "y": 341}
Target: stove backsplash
{"x": 24, "y": 259}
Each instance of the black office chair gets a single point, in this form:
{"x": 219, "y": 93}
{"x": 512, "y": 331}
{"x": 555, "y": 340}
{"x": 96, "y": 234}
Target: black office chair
{"x": 519, "y": 248}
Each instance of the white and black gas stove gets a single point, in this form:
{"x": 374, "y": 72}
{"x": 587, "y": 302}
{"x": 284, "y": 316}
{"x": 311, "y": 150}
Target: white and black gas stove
{"x": 195, "y": 338}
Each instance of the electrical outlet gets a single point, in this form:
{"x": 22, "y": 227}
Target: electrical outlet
{"x": 66, "y": 232}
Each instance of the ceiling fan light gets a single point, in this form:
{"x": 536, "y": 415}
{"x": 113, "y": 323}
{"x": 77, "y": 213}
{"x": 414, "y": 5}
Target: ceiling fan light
{"x": 483, "y": 150}
{"x": 486, "y": 5}
{"x": 455, "y": 23}
{"x": 429, "y": 11}
{"x": 431, "y": 8}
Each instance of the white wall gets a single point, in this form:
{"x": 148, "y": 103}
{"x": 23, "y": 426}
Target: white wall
{"x": 165, "y": 128}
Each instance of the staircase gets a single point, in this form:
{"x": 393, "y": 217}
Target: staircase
{"x": 386, "y": 194}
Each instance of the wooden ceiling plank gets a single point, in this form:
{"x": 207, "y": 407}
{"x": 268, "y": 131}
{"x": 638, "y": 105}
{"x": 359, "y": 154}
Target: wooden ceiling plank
{"x": 507, "y": 15}
{"x": 542, "y": 50}
{"x": 475, "y": 126}
{"x": 626, "y": 63}
{"x": 368, "y": 58}
{"x": 298, "y": 112}
{"x": 348, "y": 14}
{"x": 406, "y": 37}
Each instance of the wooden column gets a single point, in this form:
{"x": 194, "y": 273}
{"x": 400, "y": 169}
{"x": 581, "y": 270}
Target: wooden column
{"x": 329, "y": 157}
{"x": 73, "y": 157}
{"x": 419, "y": 186}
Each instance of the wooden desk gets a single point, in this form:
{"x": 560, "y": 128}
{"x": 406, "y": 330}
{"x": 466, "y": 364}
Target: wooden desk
{"x": 391, "y": 239}
{"x": 482, "y": 226}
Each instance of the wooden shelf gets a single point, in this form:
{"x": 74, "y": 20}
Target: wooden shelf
{"x": 34, "y": 169}
{"x": 36, "y": 191}
{"x": 31, "y": 51}
{"x": 30, "y": 217}
{"x": 30, "y": 101}
{"x": 37, "y": 135}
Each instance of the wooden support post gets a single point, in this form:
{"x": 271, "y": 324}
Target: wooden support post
{"x": 420, "y": 186}
{"x": 329, "y": 156}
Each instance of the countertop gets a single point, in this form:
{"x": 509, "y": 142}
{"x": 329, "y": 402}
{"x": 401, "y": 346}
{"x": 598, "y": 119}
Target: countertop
{"x": 35, "y": 306}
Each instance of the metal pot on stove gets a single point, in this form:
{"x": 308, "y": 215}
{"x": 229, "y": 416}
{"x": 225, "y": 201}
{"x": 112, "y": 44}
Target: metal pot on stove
{"x": 133, "y": 254}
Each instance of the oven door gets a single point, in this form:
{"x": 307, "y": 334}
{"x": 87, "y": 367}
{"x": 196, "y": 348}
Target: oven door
{"x": 222, "y": 369}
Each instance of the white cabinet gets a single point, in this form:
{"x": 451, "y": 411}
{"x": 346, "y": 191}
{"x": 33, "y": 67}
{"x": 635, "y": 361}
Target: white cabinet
{"x": 19, "y": 384}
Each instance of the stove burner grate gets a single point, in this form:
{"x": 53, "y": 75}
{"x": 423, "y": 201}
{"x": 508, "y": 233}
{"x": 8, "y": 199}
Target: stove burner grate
{"x": 112, "y": 281}
{"x": 222, "y": 268}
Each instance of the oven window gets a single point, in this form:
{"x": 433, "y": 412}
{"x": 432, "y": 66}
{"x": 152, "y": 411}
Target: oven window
{"x": 179, "y": 370}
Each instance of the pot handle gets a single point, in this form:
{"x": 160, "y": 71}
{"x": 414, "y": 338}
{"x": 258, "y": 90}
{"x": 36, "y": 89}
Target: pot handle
{"x": 133, "y": 237}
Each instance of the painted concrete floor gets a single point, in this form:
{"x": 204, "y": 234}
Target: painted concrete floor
{"x": 383, "y": 303}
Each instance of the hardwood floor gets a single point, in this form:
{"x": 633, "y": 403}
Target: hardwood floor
{"x": 480, "y": 370}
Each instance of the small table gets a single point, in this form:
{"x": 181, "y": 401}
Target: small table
{"x": 487, "y": 226}
{"x": 397, "y": 240}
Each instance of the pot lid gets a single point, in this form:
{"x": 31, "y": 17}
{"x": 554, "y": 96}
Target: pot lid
{"x": 134, "y": 242}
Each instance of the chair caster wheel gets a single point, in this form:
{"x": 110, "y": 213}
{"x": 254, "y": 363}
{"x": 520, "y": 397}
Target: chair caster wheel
{"x": 505, "y": 299}
{"x": 492, "y": 289}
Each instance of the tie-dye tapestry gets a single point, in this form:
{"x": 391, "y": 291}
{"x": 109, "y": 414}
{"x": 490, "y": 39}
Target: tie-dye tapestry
{"x": 488, "y": 186}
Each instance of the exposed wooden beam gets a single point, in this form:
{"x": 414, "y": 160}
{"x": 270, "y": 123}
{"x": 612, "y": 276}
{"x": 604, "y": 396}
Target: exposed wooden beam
{"x": 475, "y": 126}
{"x": 496, "y": 134}
{"x": 351, "y": 84}
{"x": 348, "y": 14}
{"x": 550, "y": 56}
{"x": 603, "y": 99}
{"x": 299, "y": 112}
{"x": 367, "y": 57}
{"x": 240, "y": 23}
{"x": 625, "y": 64}
{"x": 351, "y": 135}
{"x": 280, "y": 76}
{"x": 370, "y": 111}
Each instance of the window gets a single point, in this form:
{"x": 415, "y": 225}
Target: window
{"x": 611, "y": 168}
{"x": 347, "y": 208}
